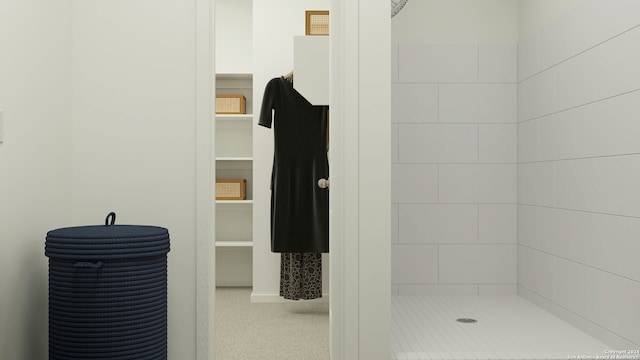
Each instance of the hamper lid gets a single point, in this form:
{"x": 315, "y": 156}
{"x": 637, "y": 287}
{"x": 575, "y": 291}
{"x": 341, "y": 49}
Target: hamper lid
{"x": 107, "y": 241}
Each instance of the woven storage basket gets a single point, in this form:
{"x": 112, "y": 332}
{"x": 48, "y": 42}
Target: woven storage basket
{"x": 231, "y": 189}
{"x": 317, "y": 22}
{"x": 108, "y": 292}
{"x": 230, "y": 104}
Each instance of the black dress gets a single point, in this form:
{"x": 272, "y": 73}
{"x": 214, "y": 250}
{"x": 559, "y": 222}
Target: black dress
{"x": 299, "y": 208}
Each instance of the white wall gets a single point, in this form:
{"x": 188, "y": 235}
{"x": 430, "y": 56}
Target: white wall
{"x": 275, "y": 23}
{"x": 234, "y": 35}
{"x": 35, "y": 163}
{"x": 578, "y": 161}
{"x": 454, "y": 112}
{"x": 134, "y": 133}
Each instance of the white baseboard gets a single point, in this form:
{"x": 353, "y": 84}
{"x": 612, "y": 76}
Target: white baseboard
{"x": 276, "y": 298}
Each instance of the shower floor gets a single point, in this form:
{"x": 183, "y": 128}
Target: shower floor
{"x": 508, "y": 327}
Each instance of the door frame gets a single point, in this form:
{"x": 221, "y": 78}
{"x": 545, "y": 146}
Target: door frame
{"x": 360, "y": 180}
{"x": 360, "y": 166}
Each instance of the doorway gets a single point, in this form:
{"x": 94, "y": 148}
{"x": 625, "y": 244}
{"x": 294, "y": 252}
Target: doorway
{"x": 360, "y": 181}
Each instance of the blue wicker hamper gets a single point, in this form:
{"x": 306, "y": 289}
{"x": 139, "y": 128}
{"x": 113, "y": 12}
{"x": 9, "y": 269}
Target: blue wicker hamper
{"x": 108, "y": 292}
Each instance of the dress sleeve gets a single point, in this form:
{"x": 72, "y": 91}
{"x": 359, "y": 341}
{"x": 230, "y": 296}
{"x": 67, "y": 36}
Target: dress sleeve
{"x": 269, "y": 101}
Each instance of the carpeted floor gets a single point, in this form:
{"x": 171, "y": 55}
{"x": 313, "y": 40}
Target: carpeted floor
{"x": 296, "y": 330}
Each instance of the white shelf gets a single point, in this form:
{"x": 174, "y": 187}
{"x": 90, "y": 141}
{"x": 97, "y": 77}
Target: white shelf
{"x": 234, "y": 158}
{"x": 234, "y": 76}
{"x": 234, "y": 202}
{"x": 234, "y": 117}
{"x": 234, "y": 243}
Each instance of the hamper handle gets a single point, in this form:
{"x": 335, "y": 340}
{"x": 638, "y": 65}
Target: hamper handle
{"x": 111, "y": 215}
{"x": 87, "y": 264}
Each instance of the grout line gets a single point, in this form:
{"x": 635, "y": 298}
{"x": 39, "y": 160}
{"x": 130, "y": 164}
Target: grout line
{"x": 453, "y": 284}
{"x": 578, "y": 210}
{"x": 580, "y": 263}
{"x": 459, "y": 203}
{"x": 456, "y": 244}
{"x": 578, "y": 158}
{"x": 579, "y": 106}
{"x": 456, "y": 123}
{"x": 460, "y": 163}
{"x": 457, "y": 82}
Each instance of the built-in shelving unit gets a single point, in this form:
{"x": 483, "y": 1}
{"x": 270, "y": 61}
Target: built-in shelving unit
{"x": 234, "y": 160}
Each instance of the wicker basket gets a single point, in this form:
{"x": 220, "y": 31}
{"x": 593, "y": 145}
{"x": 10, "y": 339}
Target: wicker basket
{"x": 230, "y": 104}
{"x": 231, "y": 189}
{"x": 317, "y": 22}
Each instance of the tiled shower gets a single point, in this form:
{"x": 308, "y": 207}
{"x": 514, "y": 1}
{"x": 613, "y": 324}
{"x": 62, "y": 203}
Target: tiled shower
{"x": 516, "y": 169}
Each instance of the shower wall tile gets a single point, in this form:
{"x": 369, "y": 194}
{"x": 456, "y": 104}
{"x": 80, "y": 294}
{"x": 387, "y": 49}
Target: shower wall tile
{"x": 478, "y": 103}
{"x": 536, "y": 96}
{"x": 394, "y": 223}
{"x": 438, "y": 223}
{"x": 594, "y": 23}
{"x": 414, "y": 103}
{"x": 555, "y": 42}
{"x": 576, "y": 81}
{"x": 438, "y": 290}
{"x": 497, "y": 223}
{"x": 482, "y": 183}
{"x": 555, "y": 231}
{"x": 607, "y": 242}
{"x": 498, "y": 63}
{"x": 528, "y": 226}
{"x": 590, "y": 293}
{"x": 498, "y": 143}
{"x": 394, "y": 143}
{"x": 528, "y": 63}
{"x": 438, "y": 143}
{"x": 454, "y": 177}
{"x": 478, "y": 264}
{"x": 394, "y": 290}
{"x": 528, "y": 141}
{"x": 608, "y": 127}
{"x": 536, "y": 271}
{"x": 414, "y": 183}
{"x": 618, "y": 58}
{"x": 605, "y": 184}
{"x": 537, "y": 183}
{"x": 438, "y": 63}
{"x": 555, "y": 136}
{"x": 579, "y": 166}
{"x": 586, "y": 25}
{"x": 578, "y": 321}
{"x": 414, "y": 264}
{"x": 394, "y": 63}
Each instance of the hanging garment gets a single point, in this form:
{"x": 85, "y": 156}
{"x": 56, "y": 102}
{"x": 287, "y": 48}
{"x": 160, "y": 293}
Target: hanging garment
{"x": 301, "y": 276}
{"x": 299, "y": 208}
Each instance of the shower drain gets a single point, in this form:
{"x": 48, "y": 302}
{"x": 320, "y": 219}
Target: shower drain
{"x": 467, "y": 320}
